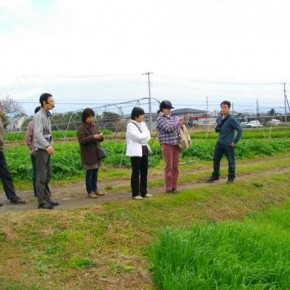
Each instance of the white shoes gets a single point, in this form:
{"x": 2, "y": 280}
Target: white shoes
{"x": 138, "y": 197}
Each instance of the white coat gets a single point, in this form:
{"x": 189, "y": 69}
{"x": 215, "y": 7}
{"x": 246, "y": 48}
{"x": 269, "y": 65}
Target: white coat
{"x": 136, "y": 138}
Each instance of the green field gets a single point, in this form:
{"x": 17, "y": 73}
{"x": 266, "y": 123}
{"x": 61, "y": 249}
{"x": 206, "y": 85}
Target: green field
{"x": 66, "y": 164}
{"x": 209, "y": 236}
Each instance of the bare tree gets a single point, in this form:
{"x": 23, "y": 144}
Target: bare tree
{"x": 11, "y": 107}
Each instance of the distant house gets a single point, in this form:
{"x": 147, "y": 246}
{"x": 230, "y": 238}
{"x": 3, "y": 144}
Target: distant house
{"x": 193, "y": 117}
{"x": 16, "y": 123}
{"x": 187, "y": 112}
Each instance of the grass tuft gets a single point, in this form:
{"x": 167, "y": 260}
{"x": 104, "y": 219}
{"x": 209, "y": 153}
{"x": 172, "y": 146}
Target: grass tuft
{"x": 253, "y": 254}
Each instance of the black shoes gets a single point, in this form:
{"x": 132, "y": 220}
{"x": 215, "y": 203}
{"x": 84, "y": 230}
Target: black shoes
{"x": 216, "y": 178}
{"x": 212, "y": 179}
{"x": 45, "y": 205}
{"x": 173, "y": 190}
{"x": 17, "y": 200}
{"x": 53, "y": 203}
{"x": 1, "y": 204}
{"x": 230, "y": 180}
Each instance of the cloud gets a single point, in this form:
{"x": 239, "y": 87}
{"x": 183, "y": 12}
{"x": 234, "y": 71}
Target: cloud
{"x": 220, "y": 39}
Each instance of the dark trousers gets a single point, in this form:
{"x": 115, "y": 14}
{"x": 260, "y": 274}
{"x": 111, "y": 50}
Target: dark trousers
{"x": 139, "y": 175}
{"x": 33, "y": 173}
{"x": 221, "y": 150}
{"x": 43, "y": 175}
{"x": 91, "y": 180}
{"x": 6, "y": 178}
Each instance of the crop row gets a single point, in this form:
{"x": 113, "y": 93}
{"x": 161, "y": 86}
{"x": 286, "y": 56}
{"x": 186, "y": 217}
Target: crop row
{"x": 66, "y": 162}
{"x": 261, "y": 133}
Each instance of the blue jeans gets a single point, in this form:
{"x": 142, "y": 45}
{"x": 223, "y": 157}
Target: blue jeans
{"x": 221, "y": 150}
{"x": 91, "y": 180}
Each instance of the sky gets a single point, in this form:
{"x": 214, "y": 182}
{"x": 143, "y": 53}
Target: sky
{"x": 94, "y": 52}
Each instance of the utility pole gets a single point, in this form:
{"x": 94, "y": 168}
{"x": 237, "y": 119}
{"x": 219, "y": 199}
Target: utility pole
{"x": 150, "y": 111}
{"x": 285, "y": 102}
{"x": 257, "y": 108}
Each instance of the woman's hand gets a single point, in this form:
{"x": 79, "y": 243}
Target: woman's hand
{"x": 98, "y": 136}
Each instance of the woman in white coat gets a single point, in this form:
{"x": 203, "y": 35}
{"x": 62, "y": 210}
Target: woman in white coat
{"x": 137, "y": 136}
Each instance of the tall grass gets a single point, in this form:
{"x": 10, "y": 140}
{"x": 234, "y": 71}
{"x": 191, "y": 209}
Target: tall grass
{"x": 253, "y": 254}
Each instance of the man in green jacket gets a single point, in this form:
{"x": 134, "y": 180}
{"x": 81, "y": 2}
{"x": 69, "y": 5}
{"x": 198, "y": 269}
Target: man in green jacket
{"x": 226, "y": 126}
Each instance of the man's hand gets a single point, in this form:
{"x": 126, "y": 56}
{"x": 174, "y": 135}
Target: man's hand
{"x": 233, "y": 144}
{"x": 49, "y": 150}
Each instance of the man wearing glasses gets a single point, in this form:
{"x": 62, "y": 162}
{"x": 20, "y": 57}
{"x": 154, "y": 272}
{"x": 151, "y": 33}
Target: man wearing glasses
{"x": 43, "y": 150}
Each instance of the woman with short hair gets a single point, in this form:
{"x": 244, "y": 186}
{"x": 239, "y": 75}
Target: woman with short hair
{"x": 137, "y": 136}
{"x": 89, "y": 139}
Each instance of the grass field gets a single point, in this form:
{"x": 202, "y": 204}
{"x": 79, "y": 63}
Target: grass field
{"x": 110, "y": 245}
{"x": 252, "y": 254}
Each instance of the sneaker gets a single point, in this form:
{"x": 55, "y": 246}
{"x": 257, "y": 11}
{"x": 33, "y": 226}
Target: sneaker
{"x": 212, "y": 179}
{"x": 138, "y": 197}
{"x": 148, "y": 195}
{"x": 92, "y": 195}
{"x": 1, "y": 204}
{"x": 168, "y": 191}
{"x": 17, "y": 200}
{"x": 99, "y": 193}
{"x": 175, "y": 190}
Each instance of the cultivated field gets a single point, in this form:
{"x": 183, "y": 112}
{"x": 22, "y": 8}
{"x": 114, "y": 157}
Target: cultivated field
{"x": 114, "y": 242}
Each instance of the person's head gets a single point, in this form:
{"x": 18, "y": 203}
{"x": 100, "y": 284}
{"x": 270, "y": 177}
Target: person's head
{"x": 37, "y": 109}
{"x": 46, "y": 101}
{"x": 137, "y": 114}
{"x": 225, "y": 107}
{"x": 165, "y": 107}
{"x": 88, "y": 115}
{"x": 182, "y": 120}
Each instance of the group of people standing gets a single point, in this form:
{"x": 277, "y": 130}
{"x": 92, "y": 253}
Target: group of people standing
{"x": 171, "y": 131}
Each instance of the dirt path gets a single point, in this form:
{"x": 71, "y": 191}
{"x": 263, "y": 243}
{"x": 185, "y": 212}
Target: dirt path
{"x": 73, "y": 195}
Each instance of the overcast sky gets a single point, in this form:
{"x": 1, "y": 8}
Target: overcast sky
{"x": 182, "y": 41}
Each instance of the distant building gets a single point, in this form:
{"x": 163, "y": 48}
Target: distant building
{"x": 16, "y": 123}
{"x": 187, "y": 112}
{"x": 193, "y": 117}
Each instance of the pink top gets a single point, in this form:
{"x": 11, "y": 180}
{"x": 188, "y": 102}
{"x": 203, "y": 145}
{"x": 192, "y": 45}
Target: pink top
{"x": 29, "y": 137}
